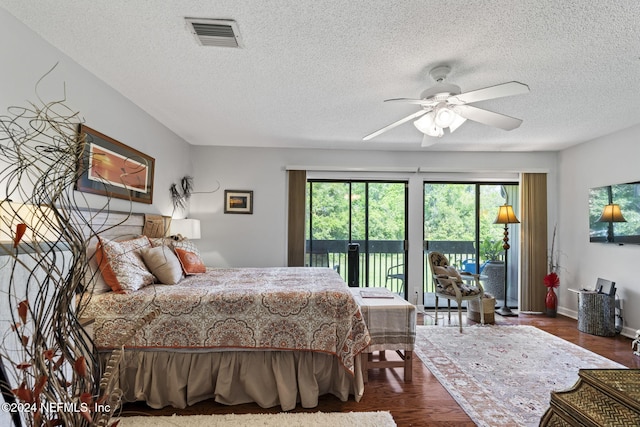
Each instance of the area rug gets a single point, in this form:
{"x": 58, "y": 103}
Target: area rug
{"x": 503, "y": 375}
{"x": 300, "y": 419}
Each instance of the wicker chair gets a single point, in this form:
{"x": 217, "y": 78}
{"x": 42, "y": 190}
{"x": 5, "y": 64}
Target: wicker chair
{"x": 449, "y": 284}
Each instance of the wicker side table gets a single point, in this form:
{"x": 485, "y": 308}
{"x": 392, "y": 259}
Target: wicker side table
{"x": 596, "y": 314}
{"x": 600, "y": 397}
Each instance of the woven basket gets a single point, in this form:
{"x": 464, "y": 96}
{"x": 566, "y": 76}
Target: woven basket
{"x": 489, "y": 307}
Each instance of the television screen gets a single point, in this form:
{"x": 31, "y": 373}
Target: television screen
{"x": 627, "y": 196}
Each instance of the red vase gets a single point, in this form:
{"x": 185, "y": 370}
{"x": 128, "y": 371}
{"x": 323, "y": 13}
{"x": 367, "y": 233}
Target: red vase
{"x": 551, "y": 303}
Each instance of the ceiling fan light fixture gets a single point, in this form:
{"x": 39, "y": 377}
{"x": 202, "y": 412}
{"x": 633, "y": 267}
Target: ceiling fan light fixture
{"x": 445, "y": 106}
{"x": 426, "y": 124}
{"x": 443, "y": 116}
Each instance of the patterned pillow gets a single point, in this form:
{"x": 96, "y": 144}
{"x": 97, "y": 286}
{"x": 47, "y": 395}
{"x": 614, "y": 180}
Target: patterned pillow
{"x": 190, "y": 261}
{"x": 122, "y": 266}
{"x": 163, "y": 263}
{"x": 465, "y": 290}
{"x": 189, "y": 256}
{"x": 160, "y": 241}
{"x": 186, "y": 245}
{"x": 447, "y": 271}
{"x": 446, "y": 286}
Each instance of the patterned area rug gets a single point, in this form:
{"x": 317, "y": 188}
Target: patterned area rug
{"x": 300, "y": 419}
{"x": 503, "y": 375}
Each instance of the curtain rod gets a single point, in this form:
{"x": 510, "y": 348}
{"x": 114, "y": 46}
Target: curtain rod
{"x": 410, "y": 169}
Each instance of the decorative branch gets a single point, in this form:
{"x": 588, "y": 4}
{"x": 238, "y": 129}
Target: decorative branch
{"x": 553, "y": 256}
{"x": 49, "y": 359}
{"x": 180, "y": 195}
{"x": 187, "y": 186}
{"x": 177, "y": 198}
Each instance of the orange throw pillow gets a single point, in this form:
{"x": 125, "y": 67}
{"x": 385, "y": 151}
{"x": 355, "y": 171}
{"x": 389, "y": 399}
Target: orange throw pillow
{"x": 190, "y": 261}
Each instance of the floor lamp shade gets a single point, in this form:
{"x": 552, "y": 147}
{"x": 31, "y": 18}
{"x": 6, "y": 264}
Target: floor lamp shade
{"x": 188, "y": 227}
{"x": 506, "y": 215}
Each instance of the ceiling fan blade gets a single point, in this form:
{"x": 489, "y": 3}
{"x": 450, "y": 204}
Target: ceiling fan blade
{"x": 423, "y": 102}
{"x": 487, "y": 117}
{"x": 394, "y": 124}
{"x": 457, "y": 122}
{"x": 491, "y": 92}
{"x": 428, "y": 141}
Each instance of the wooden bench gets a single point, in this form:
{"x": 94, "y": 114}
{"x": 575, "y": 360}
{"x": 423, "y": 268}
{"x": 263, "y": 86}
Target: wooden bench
{"x": 392, "y": 325}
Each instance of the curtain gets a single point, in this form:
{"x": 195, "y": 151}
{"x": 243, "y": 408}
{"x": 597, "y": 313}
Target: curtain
{"x": 296, "y": 219}
{"x": 533, "y": 242}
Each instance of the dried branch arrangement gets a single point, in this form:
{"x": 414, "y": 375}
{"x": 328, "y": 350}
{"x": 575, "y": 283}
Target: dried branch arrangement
{"x": 51, "y": 372}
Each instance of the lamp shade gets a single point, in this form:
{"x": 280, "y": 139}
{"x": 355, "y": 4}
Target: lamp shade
{"x": 506, "y": 215}
{"x": 188, "y": 227}
{"x": 426, "y": 125}
{"x": 41, "y": 223}
{"x": 611, "y": 213}
{"x": 443, "y": 116}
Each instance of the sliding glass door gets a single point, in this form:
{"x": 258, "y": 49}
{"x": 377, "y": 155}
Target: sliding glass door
{"x": 371, "y": 214}
{"x": 459, "y": 222}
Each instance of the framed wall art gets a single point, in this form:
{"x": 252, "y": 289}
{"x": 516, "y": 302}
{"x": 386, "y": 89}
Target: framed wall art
{"x": 238, "y": 201}
{"x": 110, "y": 168}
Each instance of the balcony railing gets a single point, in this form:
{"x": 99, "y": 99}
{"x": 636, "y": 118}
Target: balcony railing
{"x": 378, "y": 256}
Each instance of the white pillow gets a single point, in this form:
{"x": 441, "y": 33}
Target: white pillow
{"x": 163, "y": 264}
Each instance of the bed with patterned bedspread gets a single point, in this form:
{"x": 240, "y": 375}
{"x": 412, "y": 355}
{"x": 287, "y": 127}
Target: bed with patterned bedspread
{"x": 274, "y": 336}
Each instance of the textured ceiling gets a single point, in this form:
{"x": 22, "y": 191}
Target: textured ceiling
{"x": 314, "y": 73}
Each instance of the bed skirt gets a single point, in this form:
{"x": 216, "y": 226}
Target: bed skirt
{"x": 268, "y": 378}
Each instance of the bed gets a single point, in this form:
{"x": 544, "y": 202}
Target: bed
{"x": 273, "y": 336}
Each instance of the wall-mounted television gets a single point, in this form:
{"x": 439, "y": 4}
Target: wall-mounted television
{"x": 627, "y": 196}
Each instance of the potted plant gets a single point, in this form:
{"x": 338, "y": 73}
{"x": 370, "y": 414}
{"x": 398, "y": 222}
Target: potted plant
{"x": 491, "y": 250}
{"x": 493, "y": 267}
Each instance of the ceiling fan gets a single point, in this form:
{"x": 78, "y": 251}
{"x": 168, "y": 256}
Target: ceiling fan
{"x": 444, "y": 106}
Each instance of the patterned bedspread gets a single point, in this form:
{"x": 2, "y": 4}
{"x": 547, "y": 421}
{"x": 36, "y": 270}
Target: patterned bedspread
{"x": 283, "y": 308}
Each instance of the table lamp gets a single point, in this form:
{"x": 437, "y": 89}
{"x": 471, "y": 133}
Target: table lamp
{"x": 188, "y": 227}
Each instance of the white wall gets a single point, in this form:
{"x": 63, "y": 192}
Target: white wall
{"x": 26, "y": 57}
{"x": 612, "y": 159}
{"x": 261, "y": 239}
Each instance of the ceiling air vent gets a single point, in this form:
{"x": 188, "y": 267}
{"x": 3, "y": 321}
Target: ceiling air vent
{"x": 215, "y": 32}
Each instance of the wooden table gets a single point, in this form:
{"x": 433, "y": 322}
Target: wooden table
{"x": 392, "y": 325}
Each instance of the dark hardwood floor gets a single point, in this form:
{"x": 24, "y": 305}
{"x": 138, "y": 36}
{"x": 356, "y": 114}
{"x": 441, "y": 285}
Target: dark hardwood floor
{"x": 422, "y": 402}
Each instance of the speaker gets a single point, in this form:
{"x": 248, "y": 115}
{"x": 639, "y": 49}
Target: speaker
{"x": 353, "y": 265}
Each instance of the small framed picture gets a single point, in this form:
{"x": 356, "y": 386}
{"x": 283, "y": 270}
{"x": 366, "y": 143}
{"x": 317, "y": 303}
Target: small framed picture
{"x": 238, "y": 201}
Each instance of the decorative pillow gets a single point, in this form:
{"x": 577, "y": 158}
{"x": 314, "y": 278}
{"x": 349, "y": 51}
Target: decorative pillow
{"x": 93, "y": 281}
{"x": 121, "y": 264}
{"x": 163, "y": 264}
{"x": 465, "y": 290}
{"x": 185, "y": 244}
{"x": 447, "y": 271}
{"x": 190, "y": 261}
{"x": 160, "y": 241}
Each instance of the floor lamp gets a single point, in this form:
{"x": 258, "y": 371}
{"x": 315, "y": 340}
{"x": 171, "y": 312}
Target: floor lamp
{"x": 506, "y": 216}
